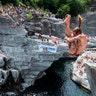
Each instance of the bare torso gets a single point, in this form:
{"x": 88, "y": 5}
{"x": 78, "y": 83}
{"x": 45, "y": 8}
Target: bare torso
{"x": 81, "y": 45}
{"x": 78, "y": 46}
{"x": 72, "y": 47}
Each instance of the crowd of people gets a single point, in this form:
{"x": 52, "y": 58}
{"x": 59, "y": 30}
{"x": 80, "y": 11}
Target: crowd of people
{"x": 18, "y": 14}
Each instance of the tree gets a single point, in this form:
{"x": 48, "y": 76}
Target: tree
{"x": 63, "y": 10}
{"x": 76, "y": 7}
{"x": 51, "y": 5}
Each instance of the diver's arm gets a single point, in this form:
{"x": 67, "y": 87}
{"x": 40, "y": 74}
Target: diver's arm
{"x": 67, "y": 25}
{"x": 71, "y": 39}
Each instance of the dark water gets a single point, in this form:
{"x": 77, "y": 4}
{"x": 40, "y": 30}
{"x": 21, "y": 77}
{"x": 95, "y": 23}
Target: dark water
{"x": 57, "y": 82}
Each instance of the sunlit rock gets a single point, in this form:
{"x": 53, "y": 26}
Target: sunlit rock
{"x": 28, "y": 57}
{"x": 91, "y": 71}
{"x": 83, "y": 70}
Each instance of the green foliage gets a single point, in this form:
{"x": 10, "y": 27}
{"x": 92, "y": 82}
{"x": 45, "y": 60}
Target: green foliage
{"x": 61, "y": 2}
{"x": 76, "y": 7}
{"x": 4, "y": 2}
{"x": 21, "y": 4}
{"x": 29, "y": 16}
{"x": 58, "y": 7}
{"x": 63, "y": 10}
{"x": 51, "y": 5}
{"x": 33, "y": 3}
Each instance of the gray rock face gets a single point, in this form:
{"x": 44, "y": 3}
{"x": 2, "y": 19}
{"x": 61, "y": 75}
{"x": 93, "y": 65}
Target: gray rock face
{"x": 79, "y": 72}
{"x": 88, "y": 25}
{"x": 55, "y": 27}
{"x": 21, "y": 55}
{"x": 47, "y": 26}
{"x": 91, "y": 71}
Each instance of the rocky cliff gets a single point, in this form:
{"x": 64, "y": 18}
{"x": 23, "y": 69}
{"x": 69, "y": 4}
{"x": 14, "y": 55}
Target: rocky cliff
{"x": 24, "y": 58}
{"x": 25, "y": 54}
{"x": 88, "y": 25}
{"x": 91, "y": 71}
